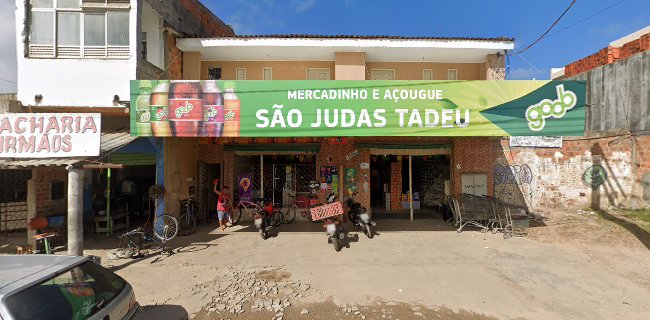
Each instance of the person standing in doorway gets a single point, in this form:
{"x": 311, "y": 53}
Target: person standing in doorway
{"x": 223, "y": 203}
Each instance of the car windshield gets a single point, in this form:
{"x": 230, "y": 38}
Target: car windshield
{"x": 77, "y": 294}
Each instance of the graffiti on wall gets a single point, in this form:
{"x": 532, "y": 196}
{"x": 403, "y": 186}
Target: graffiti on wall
{"x": 513, "y": 184}
{"x": 594, "y": 176}
{"x": 645, "y": 182}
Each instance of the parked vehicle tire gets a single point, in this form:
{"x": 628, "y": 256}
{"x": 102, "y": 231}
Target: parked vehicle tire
{"x": 277, "y": 218}
{"x": 263, "y": 234}
{"x": 336, "y": 243}
{"x": 289, "y": 215}
{"x": 368, "y": 231}
{"x": 188, "y": 224}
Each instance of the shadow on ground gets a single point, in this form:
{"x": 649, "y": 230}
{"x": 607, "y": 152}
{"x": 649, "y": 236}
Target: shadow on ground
{"x": 163, "y": 312}
{"x": 634, "y": 229}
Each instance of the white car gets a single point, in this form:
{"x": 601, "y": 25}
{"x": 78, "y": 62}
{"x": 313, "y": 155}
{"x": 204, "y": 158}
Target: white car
{"x": 62, "y": 287}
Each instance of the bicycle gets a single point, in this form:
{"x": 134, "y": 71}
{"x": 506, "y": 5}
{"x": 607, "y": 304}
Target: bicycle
{"x": 188, "y": 217}
{"x": 164, "y": 228}
{"x": 243, "y": 208}
{"x": 301, "y": 206}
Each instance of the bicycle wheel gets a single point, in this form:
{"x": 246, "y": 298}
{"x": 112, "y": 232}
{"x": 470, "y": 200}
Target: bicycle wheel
{"x": 245, "y": 212}
{"x": 289, "y": 214}
{"x": 188, "y": 222}
{"x": 165, "y": 227}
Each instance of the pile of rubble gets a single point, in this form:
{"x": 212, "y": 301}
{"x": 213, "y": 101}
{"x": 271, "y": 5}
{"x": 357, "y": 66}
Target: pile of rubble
{"x": 246, "y": 290}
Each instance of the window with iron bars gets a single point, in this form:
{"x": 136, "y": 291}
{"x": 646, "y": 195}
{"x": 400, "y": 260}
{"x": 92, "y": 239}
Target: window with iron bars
{"x": 91, "y": 29}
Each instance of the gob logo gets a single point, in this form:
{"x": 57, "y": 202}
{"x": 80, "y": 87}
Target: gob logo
{"x": 538, "y": 113}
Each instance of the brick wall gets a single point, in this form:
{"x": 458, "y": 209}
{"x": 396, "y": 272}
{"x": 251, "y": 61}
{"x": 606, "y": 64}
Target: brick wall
{"x": 396, "y": 185}
{"x": 608, "y": 55}
{"x": 474, "y": 155}
{"x": 41, "y": 186}
{"x": 594, "y": 172}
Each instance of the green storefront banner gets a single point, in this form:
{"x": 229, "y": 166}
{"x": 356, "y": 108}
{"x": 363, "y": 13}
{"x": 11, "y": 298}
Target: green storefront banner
{"x": 276, "y": 108}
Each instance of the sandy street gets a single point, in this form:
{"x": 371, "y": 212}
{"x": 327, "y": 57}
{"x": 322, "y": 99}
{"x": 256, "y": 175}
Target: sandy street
{"x": 411, "y": 270}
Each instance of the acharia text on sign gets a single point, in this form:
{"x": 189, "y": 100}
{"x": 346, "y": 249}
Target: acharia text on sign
{"x": 48, "y": 135}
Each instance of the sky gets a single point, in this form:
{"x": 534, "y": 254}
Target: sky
{"x": 588, "y": 27}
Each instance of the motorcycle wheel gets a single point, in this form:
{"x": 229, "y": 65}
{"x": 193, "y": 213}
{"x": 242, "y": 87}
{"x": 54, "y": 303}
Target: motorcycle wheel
{"x": 276, "y": 221}
{"x": 263, "y": 234}
{"x": 368, "y": 231}
{"x": 335, "y": 243}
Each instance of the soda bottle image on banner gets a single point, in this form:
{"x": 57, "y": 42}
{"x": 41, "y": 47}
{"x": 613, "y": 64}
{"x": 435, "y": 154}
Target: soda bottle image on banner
{"x": 142, "y": 112}
{"x": 160, "y": 110}
{"x": 212, "y": 109}
{"x": 231, "y": 108}
{"x": 185, "y": 108}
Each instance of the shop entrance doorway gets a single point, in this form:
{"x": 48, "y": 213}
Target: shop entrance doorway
{"x": 395, "y": 177}
{"x": 273, "y": 177}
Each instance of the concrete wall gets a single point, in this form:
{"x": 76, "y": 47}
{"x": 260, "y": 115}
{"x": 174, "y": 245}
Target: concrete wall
{"x": 297, "y": 70}
{"x": 74, "y": 82}
{"x": 413, "y": 70}
{"x": 585, "y": 172}
{"x": 181, "y": 163}
{"x": 153, "y": 25}
{"x": 6, "y": 101}
{"x": 350, "y": 66}
{"x": 618, "y": 95}
{"x": 282, "y": 70}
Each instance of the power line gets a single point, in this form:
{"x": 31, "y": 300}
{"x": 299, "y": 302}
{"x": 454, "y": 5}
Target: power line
{"x": 587, "y": 17}
{"x": 8, "y": 80}
{"x": 549, "y": 28}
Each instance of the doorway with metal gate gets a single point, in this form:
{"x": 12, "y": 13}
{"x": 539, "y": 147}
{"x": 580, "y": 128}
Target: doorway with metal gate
{"x": 273, "y": 177}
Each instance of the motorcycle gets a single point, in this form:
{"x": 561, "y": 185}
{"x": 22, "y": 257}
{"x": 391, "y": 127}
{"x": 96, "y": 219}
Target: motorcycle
{"x": 333, "y": 227}
{"x": 359, "y": 217}
{"x": 266, "y": 218}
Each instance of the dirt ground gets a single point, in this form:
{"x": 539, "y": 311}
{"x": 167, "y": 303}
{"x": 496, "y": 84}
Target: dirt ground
{"x": 573, "y": 265}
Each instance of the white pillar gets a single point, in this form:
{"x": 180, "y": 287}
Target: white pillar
{"x": 411, "y": 185}
{"x": 75, "y": 212}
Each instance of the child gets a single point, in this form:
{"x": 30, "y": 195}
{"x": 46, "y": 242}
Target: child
{"x": 222, "y": 204}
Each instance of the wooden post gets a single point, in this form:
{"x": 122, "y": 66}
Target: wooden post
{"x": 411, "y": 185}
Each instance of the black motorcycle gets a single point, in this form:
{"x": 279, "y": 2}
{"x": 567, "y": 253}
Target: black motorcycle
{"x": 359, "y": 217}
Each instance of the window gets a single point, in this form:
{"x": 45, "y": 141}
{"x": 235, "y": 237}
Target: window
{"x": 79, "y": 29}
{"x": 57, "y": 191}
{"x": 144, "y": 45}
{"x": 452, "y": 74}
{"x": 214, "y": 73}
{"x": 427, "y": 74}
{"x": 241, "y": 73}
{"x": 318, "y": 74}
{"x": 94, "y": 29}
{"x": 268, "y": 74}
{"x": 76, "y": 293}
{"x": 382, "y": 74}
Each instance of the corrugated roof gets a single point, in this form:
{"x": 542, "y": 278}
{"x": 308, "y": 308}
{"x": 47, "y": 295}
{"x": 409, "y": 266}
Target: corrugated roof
{"x": 377, "y": 37}
{"x": 110, "y": 142}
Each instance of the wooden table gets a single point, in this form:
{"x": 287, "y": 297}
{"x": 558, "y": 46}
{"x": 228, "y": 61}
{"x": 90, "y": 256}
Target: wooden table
{"x": 118, "y": 221}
